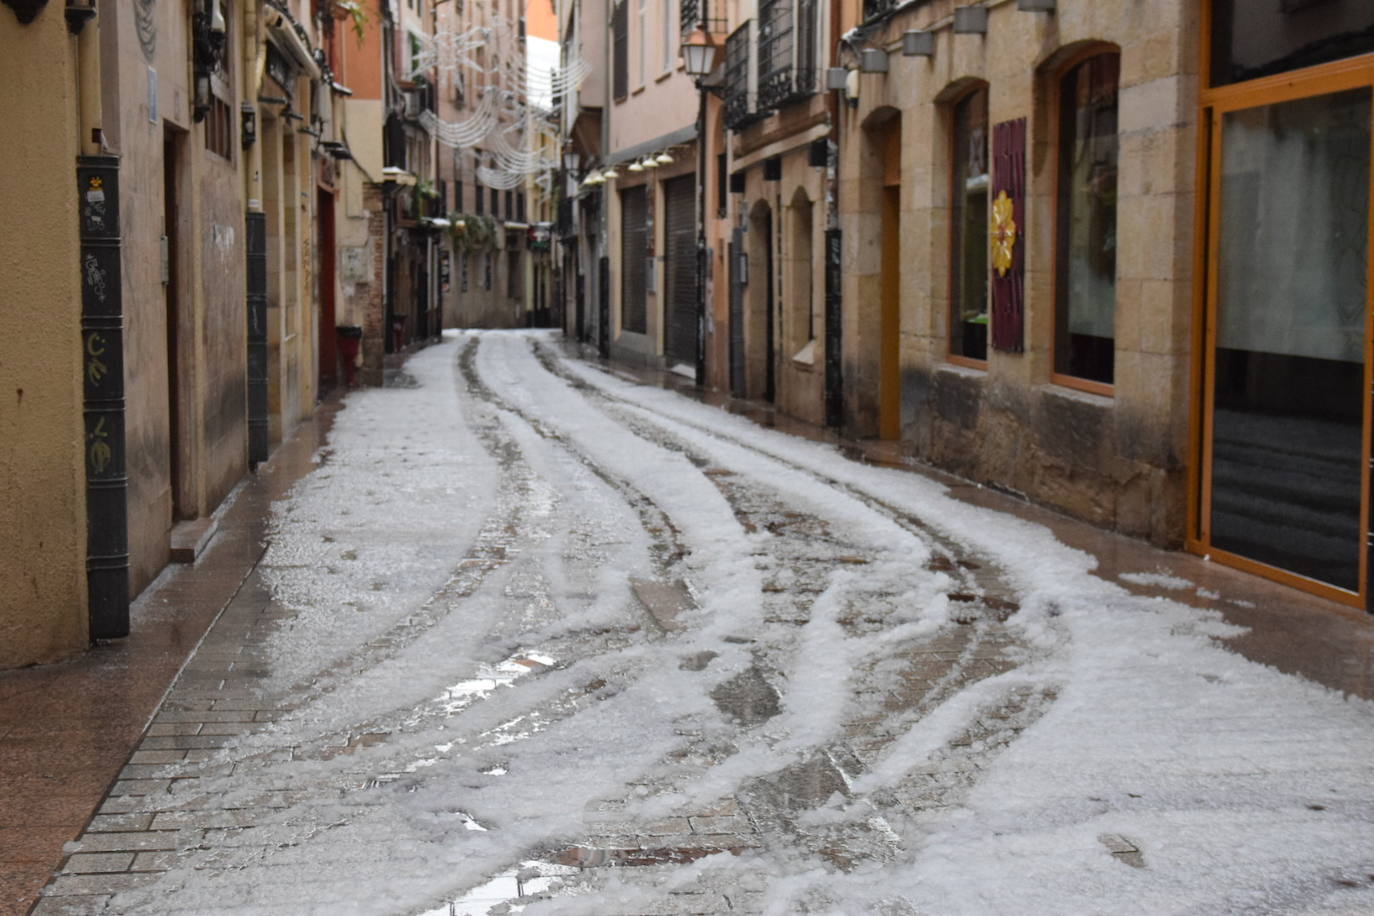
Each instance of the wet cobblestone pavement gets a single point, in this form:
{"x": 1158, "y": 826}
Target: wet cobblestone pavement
{"x": 551, "y": 651}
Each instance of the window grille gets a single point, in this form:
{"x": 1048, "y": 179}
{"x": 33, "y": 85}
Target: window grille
{"x": 874, "y": 9}
{"x": 787, "y": 52}
{"x": 620, "y": 44}
{"x": 741, "y": 106}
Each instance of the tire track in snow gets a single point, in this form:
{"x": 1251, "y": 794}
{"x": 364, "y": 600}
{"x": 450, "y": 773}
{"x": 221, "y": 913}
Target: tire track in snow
{"x": 497, "y": 542}
{"x": 668, "y": 549}
{"x": 952, "y": 666}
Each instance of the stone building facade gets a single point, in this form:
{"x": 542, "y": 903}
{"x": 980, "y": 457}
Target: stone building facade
{"x": 173, "y": 190}
{"x": 1104, "y": 442}
{"x": 1108, "y": 256}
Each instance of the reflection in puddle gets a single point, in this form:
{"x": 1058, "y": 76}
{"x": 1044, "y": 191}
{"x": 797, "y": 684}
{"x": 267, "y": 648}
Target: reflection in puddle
{"x": 505, "y": 890}
{"x": 489, "y": 678}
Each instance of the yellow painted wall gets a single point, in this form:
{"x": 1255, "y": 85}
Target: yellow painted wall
{"x": 42, "y": 477}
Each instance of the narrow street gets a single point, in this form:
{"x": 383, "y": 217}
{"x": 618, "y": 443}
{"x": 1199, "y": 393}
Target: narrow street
{"x": 535, "y": 637}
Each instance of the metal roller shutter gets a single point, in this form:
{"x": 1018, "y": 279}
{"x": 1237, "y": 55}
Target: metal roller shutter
{"x": 680, "y": 339}
{"x": 633, "y": 250}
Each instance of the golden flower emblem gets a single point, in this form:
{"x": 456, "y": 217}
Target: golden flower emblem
{"x": 1003, "y": 233}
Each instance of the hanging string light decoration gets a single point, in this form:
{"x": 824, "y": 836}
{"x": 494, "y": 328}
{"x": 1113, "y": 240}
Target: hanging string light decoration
{"x": 508, "y": 123}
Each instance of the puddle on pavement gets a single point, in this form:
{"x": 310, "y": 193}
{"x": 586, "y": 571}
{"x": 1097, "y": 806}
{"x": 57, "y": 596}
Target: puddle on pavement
{"x": 639, "y": 856}
{"x": 452, "y": 701}
{"x": 489, "y": 679}
{"x": 504, "y": 892}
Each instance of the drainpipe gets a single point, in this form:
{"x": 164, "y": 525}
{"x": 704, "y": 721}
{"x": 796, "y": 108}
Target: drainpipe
{"x": 102, "y": 354}
{"x": 255, "y": 236}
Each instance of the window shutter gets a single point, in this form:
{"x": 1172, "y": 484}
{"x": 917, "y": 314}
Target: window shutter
{"x": 1006, "y": 235}
{"x": 620, "y": 84}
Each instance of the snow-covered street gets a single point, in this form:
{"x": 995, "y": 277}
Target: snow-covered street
{"x": 535, "y": 636}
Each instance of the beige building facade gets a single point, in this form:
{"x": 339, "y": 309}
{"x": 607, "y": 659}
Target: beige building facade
{"x": 183, "y": 261}
{"x": 43, "y": 610}
{"x": 1112, "y": 257}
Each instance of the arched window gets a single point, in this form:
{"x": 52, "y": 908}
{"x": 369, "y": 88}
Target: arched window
{"x": 968, "y": 227}
{"x": 1085, "y": 269}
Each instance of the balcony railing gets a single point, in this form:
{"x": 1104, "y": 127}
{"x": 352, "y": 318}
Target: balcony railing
{"x": 741, "y": 106}
{"x": 875, "y": 8}
{"x": 787, "y": 52}
{"x": 693, "y": 14}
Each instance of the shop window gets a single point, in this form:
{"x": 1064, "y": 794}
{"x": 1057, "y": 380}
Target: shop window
{"x": 968, "y": 227}
{"x": 1085, "y": 269}
{"x": 1251, "y": 40}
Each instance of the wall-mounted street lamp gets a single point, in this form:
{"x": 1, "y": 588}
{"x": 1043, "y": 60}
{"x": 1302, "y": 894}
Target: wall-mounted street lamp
{"x": 918, "y": 44}
{"x": 698, "y": 54}
{"x": 610, "y": 174}
{"x": 248, "y": 125}
{"x": 873, "y": 60}
{"x": 698, "y": 60}
{"x": 664, "y": 158}
{"x": 971, "y": 20}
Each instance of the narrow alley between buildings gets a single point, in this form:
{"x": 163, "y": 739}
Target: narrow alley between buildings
{"x": 535, "y": 635}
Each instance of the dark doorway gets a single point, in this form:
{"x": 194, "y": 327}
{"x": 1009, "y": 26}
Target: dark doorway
{"x": 170, "y": 257}
{"x": 680, "y": 339}
{"x": 738, "y": 384}
{"x": 329, "y": 349}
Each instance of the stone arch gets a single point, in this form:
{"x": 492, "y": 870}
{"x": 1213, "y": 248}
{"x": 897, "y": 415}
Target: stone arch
{"x": 874, "y": 327}
{"x": 760, "y": 331}
{"x": 799, "y": 321}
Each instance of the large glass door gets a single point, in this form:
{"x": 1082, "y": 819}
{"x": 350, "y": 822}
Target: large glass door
{"x": 1284, "y": 439}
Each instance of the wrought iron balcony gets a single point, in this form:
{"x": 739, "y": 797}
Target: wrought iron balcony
{"x": 787, "y": 52}
{"x": 694, "y": 14}
{"x": 875, "y": 8}
{"x": 741, "y": 103}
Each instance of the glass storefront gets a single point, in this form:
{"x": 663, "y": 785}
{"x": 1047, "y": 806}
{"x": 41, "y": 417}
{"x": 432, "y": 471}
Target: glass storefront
{"x": 1284, "y": 430}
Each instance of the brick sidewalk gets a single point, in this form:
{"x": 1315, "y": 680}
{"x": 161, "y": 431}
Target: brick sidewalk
{"x": 66, "y": 730}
